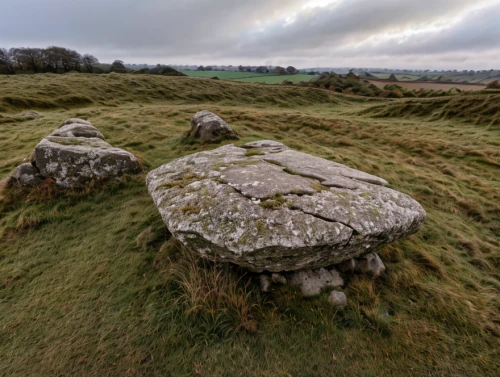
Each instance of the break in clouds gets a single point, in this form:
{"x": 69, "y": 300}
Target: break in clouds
{"x": 436, "y": 34}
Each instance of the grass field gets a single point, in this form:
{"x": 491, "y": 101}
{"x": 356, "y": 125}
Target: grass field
{"x": 427, "y": 85}
{"x": 92, "y": 285}
{"x": 223, "y": 75}
{"x": 263, "y": 78}
{"x": 278, "y": 79}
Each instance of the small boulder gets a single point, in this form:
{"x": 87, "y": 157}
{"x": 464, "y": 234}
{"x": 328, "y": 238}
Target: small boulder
{"x": 278, "y": 278}
{"x": 311, "y": 282}
{"x": 207, "y": 126}
{"x": 27, "y": 175}
{"x": 77, "y": 130}
{"x": 368, "y": 264}
{"x": 337, "y": 299}
{"x": 75, "y": 161}
{"x": 371, "y": 263}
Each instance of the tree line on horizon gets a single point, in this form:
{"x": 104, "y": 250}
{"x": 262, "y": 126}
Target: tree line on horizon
{"x": 52, "y": 59}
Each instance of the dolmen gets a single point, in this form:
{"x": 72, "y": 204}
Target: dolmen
{"x": 74, "y": 155}
{"x": 272, "y": 209}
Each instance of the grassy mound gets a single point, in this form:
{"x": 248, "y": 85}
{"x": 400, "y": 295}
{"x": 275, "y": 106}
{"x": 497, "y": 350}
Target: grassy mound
{"x": 92, "y": 283}
{"x": 48, "y": 91}
{"x": 476, "y": 108}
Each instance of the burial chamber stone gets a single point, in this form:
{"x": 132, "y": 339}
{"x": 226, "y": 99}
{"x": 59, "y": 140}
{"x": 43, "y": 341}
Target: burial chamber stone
{"x": 280, "y": 209}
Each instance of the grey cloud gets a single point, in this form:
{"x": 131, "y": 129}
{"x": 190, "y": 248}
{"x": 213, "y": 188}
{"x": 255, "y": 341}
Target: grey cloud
{"x": 226, "y": 31}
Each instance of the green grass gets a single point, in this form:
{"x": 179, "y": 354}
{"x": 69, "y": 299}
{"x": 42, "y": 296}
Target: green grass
{"x": 278, "y": 79}
{"x": 92, "y": 284}
{"x": 223, "y": 75}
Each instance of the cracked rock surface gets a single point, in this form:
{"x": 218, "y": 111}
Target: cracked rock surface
{"x": 278, "y": 209}
{"x": 75, "y": 161}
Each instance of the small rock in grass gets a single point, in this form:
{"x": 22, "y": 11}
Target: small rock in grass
{"x": 27, "y": 175}
{"x": 371, "y": 263}
{"x": 207, "y": 126}
{"x": 265, "y": 283}
{"x": 278, "y": 278}
{"x": 368, "y": 264}
{"x": 337, "y": 299}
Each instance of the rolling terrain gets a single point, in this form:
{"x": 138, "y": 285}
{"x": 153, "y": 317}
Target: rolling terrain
{"x": 91, "y": 283}
{"x": 427, "y": 85}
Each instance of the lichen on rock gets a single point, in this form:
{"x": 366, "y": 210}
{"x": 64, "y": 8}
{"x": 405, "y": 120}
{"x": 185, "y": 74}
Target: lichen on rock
{"x": 271, "y": 211}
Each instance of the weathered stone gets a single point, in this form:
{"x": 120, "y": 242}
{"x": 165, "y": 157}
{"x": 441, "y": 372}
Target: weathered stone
{"x": 26, "y": 174}
{"x": 75, "y": 161}
{"x": 311, "y": 282}
{"x": 264, "y": 283}
{"x": 369, "y": 264}
{"x": 77, "y": 130}
{"x": 318, "y": 168}
{"x": 278, "y": 278}
{"x": 271, "y": 211}
{"x": 207, "y": 126}
{"x": 337, "y": 299}
{"x": 76, "y": 120}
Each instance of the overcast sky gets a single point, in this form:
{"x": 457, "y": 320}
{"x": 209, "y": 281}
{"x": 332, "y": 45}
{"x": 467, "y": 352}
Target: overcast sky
{"x": 434, "y": 34}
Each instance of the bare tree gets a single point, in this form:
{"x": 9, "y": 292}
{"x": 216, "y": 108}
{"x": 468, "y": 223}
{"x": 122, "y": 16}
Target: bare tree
{"x": 89, "y": 61}
{"x": 118, "y": 67}
{"x": 6, "y": 61}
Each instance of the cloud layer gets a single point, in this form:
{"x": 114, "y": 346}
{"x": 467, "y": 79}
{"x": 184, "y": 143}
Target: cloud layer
{"x": 456, "y": 34}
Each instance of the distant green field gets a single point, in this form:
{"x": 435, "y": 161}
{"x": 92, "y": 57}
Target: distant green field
{"x": 267, "y": 78}
{"x": 223, "y": 75}
{"x": 278, "y": 79}
{"x": 409, "y": 77}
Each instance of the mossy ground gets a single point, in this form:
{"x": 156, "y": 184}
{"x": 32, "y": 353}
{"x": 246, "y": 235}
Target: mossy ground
{"x": 92, "y": 284}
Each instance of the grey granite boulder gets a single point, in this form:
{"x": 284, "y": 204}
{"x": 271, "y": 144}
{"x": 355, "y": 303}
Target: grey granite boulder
{"x": 75, "y": 161}
{"x": 77, "y": 130}
{"x": 27, "y": 175}
{"x": 273, "y": 210}
{"x": 207, "y": 126}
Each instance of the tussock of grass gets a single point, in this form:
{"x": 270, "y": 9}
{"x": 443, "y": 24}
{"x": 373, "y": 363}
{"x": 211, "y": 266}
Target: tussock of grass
{"x": 92, "y": 284}
{"x": 217, "y": 298}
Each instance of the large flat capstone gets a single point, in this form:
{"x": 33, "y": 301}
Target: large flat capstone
{"x": 278, "y": 209}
